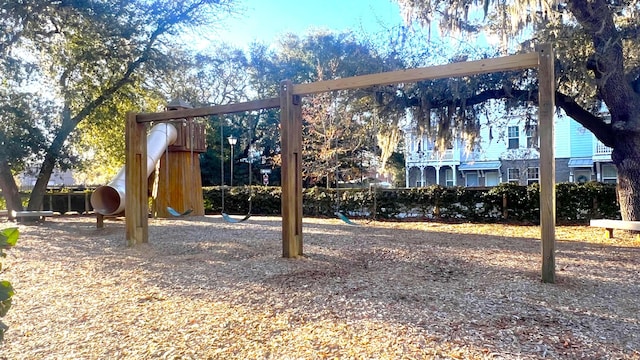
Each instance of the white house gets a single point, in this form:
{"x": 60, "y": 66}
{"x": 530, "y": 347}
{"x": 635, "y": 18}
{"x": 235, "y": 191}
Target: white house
{"x": 506, "y": 152}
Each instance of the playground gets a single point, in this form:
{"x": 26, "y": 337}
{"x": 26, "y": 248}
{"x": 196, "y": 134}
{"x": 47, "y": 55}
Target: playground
{"x": 204, "y": 288}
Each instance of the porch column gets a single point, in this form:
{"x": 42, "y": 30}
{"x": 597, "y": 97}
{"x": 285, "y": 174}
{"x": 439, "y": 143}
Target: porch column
{"x": 455, "y": 175}
{"x": 406, "y": 176}
{"x": 437, "y": 174}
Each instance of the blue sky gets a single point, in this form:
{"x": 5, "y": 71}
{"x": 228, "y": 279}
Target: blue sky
{"x": 265, "y": 20}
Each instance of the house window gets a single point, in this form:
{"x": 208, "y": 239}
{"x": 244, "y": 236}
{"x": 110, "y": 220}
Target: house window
{"x": 448, "y": 174}
{"x": 491, "y": 178}
{"x": 513, "y": 133}
{"x": 472, "y": 179}
{"x": 419, "y": 183}
{"x": 609, "y": 174}
{"x": 532, "y": 138}
{"x": 533, "y": 175}
{"x": 513, "y": 175}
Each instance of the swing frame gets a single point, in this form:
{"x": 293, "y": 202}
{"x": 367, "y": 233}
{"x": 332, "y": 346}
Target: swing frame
{"x": 289, "y": 103}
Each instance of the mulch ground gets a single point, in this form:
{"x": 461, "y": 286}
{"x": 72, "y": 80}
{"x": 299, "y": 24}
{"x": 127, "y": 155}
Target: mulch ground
{"x": 205, "y": 289}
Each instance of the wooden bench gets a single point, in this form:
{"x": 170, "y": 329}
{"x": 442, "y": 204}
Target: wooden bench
{"x": 41, "y": 215}
{"x": 609, "y": 225}
{"x": 4, "y": 213}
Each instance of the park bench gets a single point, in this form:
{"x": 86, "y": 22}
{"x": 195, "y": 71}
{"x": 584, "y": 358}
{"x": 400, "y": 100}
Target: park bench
{"x": 609, "y": 225}
{"x": 41, "y": 215}
{"x": 4, "y": 213}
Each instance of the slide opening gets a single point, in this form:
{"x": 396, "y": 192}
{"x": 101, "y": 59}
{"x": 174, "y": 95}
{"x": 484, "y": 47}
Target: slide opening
{"x": 105, "y": 200}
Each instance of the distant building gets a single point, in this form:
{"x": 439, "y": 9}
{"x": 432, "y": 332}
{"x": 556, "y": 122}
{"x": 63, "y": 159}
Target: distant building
{"x": 26, "y": 180}
{"x": 508, "y": 153}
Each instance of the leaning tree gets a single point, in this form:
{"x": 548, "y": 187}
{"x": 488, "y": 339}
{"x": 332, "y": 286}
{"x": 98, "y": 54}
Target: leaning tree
{"x": 598, "y": 62}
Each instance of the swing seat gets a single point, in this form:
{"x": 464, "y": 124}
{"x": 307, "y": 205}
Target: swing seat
{"x": 229, "y": 219}
{"x": 345, "y": 219}
{"x": 174, "y": 213}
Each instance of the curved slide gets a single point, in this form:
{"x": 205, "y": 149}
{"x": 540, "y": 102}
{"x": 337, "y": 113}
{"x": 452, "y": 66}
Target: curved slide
{"x": 109, "y": 199}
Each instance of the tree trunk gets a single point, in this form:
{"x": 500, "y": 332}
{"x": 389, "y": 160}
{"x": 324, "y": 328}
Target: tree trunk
{"x": 9, "y": 188}
{"x": 626, "y": 157}
{"x": 36, "y": 199}
{"x": 37, "y": 194}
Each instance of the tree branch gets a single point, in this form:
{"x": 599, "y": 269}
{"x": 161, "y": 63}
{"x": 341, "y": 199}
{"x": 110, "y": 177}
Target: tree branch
{"x": 593, "y": 123}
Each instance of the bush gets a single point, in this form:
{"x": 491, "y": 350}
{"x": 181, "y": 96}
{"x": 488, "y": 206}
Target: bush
{"x": 8, "y": 238}
{"x": 507, "y": 201}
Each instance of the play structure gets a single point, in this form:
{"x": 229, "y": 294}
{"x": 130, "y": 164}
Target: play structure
{"x": 172, "y": 169}
{"x": 289, "y": 102}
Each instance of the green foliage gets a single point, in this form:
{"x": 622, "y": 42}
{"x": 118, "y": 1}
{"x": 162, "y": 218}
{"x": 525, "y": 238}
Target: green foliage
{"x": 522, "y": 202}
{"x": 576, "y": 203}
{"x": 102, "y": 59}
{"x": 23, "y": 118}
{"x": 8, "y": 238}
{"x": 264, "y": 200}
{"x": 580, "y": 202}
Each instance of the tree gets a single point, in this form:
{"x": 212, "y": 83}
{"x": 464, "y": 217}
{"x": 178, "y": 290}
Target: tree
{"x": 21, "y": 138}
{"x": 338, "y": 127}
{"x": 88, "y": 53}
{"x": 596, "y": 42}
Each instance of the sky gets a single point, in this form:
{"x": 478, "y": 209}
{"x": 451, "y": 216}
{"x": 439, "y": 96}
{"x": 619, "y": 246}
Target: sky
{"x": 266, "y": 20}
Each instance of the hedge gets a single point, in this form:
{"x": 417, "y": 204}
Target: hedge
{"x": 575, "y": 203}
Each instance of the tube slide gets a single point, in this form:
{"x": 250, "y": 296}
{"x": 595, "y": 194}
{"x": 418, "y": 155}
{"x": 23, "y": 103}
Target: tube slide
{"x": 109, "y": 199}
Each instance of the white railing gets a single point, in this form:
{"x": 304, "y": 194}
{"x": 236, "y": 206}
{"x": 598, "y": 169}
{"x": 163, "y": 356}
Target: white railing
{"x": 432, "y": 156}
{"x": 600, "y": 149}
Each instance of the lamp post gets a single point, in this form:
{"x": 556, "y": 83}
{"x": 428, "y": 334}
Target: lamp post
{"x": 232, "y": 141}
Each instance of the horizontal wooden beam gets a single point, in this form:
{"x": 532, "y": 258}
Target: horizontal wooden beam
{"x": 210, "y": 110}
{"x": 506, "y": 63}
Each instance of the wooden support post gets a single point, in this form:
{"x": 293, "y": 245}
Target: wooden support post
{"x": 291, "y": 142}
{"x": 546, "y": 90}
{"x": 609, "y": 233}
{"x": 136, "y": 200}
{"x": 505, "y": 209}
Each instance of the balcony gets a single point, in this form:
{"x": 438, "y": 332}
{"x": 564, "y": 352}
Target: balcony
{"x": 600, "y": 151}
{"x": 432, "y": 157}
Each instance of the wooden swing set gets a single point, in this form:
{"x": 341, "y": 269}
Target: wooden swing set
{"x": 289, "y": 102}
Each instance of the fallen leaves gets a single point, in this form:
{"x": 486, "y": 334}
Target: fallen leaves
{"x": 203, "y": 288}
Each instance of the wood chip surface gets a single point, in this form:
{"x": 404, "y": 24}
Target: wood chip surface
{"x": 205, "y": 289}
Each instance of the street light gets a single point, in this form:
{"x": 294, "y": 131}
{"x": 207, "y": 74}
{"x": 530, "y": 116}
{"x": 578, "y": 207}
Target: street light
{"x": 232, "y": 141}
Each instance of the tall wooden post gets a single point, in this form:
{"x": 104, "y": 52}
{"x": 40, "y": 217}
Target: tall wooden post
{"x": 291, "y": 142}
{"x": 136, "y": 202}
{"x": 546, "y": 90}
